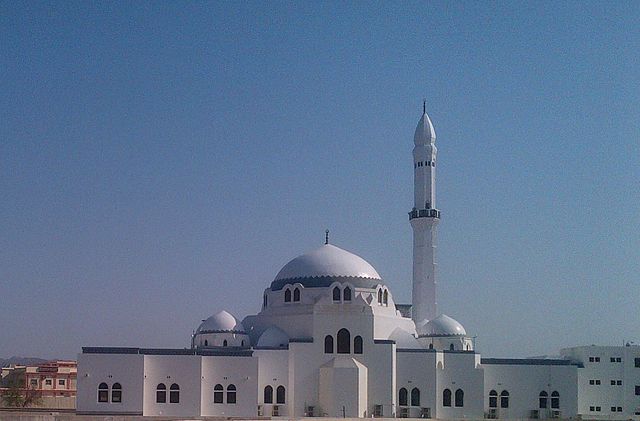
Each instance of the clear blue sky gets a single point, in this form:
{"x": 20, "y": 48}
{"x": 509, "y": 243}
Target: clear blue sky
{"x": 160, "y": 161}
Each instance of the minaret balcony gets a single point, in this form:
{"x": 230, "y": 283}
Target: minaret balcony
{"x": 424, "y": 213}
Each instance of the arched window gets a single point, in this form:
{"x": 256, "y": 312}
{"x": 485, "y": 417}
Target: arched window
{"x": 280, "y": 395}
{"x": 116, "y": 393}
{"x": 459, "y": 398}
{"x": 231, "y": 393}
{"x": 543, "y": 400}
{"x": 430, "y": 346}
{"x": 446, "y": 397}
{"x": 415, "y": 397}
{"x": 402, "y": 397}
{"x": 225, "y": 343}
{"x": 218, "y": 394}
{"x": 344, "y": 341}
{"x": 174, "y": 393}
{"x": 161, "y": 393}
{"x": 504, "y": 399}
{"x": 242, "y": 342}
{"x": 268, "y": 394}
{"x": 380, "y": 296}
{"x": 346, "y": 294}
{"x": 385, "y": 297}
{"x": 206, "y": 342}
{"x": 287, "y": 296}
{"x": 493, "y": 399}
{"x": 451, "y": 347}
{"x": 103, "y": 392}
{"x": 336, "y": 294}
{"x": 296, "y": 294}
{"x": 357, "y": 345}
{"x": 328, "y": 344}
{"x": 555, "y": 400}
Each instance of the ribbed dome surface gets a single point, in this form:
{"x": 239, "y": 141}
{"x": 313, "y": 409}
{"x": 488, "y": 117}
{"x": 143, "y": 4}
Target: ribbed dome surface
{"x": 220, "y": 322}
{"x": 442, "y": 325}
{"x": 327, "y": 260}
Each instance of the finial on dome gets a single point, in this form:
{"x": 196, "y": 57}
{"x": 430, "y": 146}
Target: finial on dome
{"x": 326, "y": 237}
{"x": 424, "y": 105}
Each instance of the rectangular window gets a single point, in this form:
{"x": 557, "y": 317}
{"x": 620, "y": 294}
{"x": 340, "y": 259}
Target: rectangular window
{"x": 618, "y": 359}
{"x": 637, "y": 390}
{"x": 637, "y": 362}
{"x": 619, "y": 382}
{"x": 34, "y": 382}
{"x": 619, "y": 409}
{"x": 61, "y": 382}
{"x": 597, "y": 359}
{"x": 591, "y": 359}
{"x": 592, "y": 408}
{"x": 613, "y": 382}
{"x": 613, "y": 409}
{"x": 613, "y": 359}
{"x": 592, "y": 382}
{"x": 598, "y": 409}
{"x": 48, "y": 382}
{"x": 103, "y": 395}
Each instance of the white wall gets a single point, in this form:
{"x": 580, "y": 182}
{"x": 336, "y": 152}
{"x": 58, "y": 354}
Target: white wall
{"x": 525, "y": 382}
{"x": 183, "y": 370}
{"x": 461, "y": 370}
{"x": 126, "y": 369}
{"x": 242, "y": 372}
{"x": 417, "y": 369}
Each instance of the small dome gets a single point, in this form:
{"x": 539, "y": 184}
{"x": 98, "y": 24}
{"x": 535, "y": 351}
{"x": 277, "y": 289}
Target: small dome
{"x": 327, "y": 261}
{"x": 273, "y": 337}
{"x": 404, "y": 340}
{"x": 425, "y": 134}
{"x": 442, "y": 325}
{"x": 220, "y": 322}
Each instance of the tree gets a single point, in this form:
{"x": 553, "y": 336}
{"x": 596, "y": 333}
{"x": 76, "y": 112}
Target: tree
{"x": 17, "y": 394}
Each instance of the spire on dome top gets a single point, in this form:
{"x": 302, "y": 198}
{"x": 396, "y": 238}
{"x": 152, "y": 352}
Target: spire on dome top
{"x": 424, "y": 106}
{"x": 326, "y": 237}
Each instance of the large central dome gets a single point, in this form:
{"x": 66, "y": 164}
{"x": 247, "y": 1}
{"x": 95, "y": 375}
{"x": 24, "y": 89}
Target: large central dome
{"x": 321, "y": 267}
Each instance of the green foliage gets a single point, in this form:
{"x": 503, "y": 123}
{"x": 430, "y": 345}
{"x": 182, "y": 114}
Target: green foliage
{"x": 16, "y": 394}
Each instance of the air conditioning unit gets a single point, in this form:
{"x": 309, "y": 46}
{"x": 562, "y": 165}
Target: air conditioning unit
{"x": 492, "y": 414}
{"x": 260, "y": 411}
{"x": 275, "y": 412}
{"x": 404, "y": 413}
{"x": 377, "y": 411}
{"x": 310, "y": 411}
{"x": 556, "y": 414}
{"x": 425, "y": 412}
{"x": 535, "y": 414}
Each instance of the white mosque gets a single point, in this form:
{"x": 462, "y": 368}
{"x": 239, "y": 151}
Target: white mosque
{"x": 330, "y": 341}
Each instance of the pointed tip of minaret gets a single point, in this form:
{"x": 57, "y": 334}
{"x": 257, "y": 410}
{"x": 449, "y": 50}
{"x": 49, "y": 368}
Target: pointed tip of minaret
{"x": 425, "y": 133}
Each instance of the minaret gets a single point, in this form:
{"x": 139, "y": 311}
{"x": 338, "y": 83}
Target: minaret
{"x": 424, "y": 218}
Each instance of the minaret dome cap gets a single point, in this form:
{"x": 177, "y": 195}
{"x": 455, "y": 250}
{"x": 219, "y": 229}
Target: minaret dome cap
{"x": 425, "y": 133}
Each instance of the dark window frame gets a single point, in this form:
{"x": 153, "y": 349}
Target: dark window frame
{"x": 174, "y": 393}
{"x": 446, "y": 398}
{"x": 103, "y": 393}
{"x": 116, "y": 393}
{"x": 281, "y": 395}
{"x": 343, "y": 339}
{"x": 161, "y": 393}
{"x": 232, "y": 394}
{"x": 218, "y": 393}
